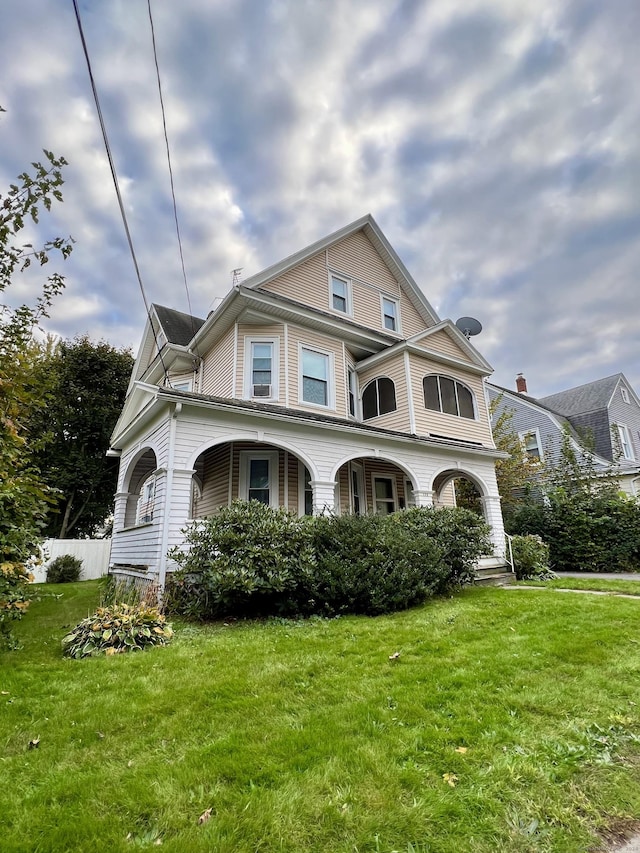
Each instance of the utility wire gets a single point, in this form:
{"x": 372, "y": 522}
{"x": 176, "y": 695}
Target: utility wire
{"x": 173, "y": 192}
{"x": 116, "y": 185}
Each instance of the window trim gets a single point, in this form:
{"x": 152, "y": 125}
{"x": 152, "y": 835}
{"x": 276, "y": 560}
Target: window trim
{"x": 273, "y": 458}
{"x": 456, "y": 382}
{"x": 346, "y": 280}
{"x": 353, "y": 392}
{"x": 357, "y": 469}
{"x": 331, "y": 390}
{"x": 146, "y": 503}
{"x": 274, "y": 340}
{"x": 625, "y": 395}
{"x": 379, "y": 475}
{"x": 302, "y": 508}
{"x": 623, "y": 429}
{"x": 396, "y": 302}
{"x": 523, "y": 441}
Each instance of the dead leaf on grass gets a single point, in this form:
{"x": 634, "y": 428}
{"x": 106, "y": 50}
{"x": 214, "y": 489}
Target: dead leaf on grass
{"x": 204, "y": 817}
{"x": 34, "y": 743}
{"x": 450, "y": 779}
{"x": 394, "y": 656}
{"x": 462, "y": 749}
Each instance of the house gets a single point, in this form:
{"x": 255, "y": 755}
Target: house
{"x": 603, "y": 415}
{"x": 327, "y": 381}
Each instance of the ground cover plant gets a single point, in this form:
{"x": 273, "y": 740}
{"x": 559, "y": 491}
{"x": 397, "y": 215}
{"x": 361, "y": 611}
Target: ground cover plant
{"x": 493, "y": 720}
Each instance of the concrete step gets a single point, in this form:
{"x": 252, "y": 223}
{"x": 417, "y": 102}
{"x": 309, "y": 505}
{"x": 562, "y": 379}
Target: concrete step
{"x": 499, "y": 579}
{"x": 493, "y": 571}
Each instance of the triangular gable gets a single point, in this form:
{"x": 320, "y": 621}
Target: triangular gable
{"x": 448, "y": 340}
{"x": 388, "y": 261}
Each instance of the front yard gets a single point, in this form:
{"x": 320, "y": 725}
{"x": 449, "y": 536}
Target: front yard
{"x": 508, "y": 720}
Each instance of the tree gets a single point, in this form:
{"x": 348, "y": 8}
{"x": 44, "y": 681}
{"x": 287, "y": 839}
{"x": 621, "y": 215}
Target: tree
{"x": 89, "y": 384}
{"x": 23, "y": 496}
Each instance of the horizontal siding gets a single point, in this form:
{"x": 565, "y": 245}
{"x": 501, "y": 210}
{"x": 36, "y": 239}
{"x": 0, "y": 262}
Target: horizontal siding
{"x": 306, "y": 283}
{"x": 442, "y": 342}
{"x": 450, "y": 426}
{"x": 315, "y": 340}
{"x": 212, "y": 468}
{"x": 356, "y": 256}
{"x": 218, "y": 367}
{"x": 395, "y": 370}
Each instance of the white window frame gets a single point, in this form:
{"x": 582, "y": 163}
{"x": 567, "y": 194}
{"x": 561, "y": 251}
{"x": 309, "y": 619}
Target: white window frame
{"x": 274, "y": 340}
{"x": 352, "y": 391}
{"x": 624, "y": 394}
{"x": 355, "y": 468}
{"x": 523, "y": 440}
{"x": 396, "y": 303}
{"x": 273, "y": 458}
{"x": 379, "y": 475}
{"x": 331, "y": 391}
{"x": 348, "y": 312}
{"x": 146, "y": 500}
{"x": 624, "y": 442}
{"x": 302, "y": 491}
{"x": 181, "y": 385}
{"x": 456, "y": 382}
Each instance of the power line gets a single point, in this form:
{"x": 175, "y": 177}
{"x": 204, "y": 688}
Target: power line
{"x": 173, "y": 193}
{"x": 116, "y": 184}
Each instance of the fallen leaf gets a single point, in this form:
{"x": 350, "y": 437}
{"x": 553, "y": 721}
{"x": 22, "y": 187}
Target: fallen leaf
{"x": 450, "y": 779}
{"x": 204, "y": 817}
{"x": 35, "y": 743}
{"x": 394, "y": 656}
{"x": 4, "y": 692}
{"x": 100, "y": 735}
{"x": 461, "y": 749}
{"x": 512, "y": 629}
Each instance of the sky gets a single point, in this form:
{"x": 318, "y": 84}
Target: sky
{"x": 496, "y": 143}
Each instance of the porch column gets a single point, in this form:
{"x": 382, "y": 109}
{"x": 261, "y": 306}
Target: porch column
{"x": 324, "y": 496}
{"x": 423, "y": 497}
{"x": 493, "y": 517}
{"x": 120, "y": 510}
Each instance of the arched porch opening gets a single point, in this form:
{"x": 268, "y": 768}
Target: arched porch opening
{"x": 249, "y": 470}
{"x": 373, "y": 484}
{"x": 140, "y": 489}
{"x": 454, "y": 487}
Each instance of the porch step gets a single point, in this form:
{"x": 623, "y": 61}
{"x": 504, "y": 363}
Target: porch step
{"x": 493, "y": 571}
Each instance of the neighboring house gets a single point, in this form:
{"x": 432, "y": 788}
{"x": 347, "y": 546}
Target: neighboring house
{"x": 603, "y": 415}
{"x": 327, "y": 381}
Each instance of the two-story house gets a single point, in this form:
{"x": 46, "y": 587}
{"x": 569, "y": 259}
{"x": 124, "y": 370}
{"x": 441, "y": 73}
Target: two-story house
{"x": 327, "y": 381}
{"x": 602, "y": 418}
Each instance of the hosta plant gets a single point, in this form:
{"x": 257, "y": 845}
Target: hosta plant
{"x": 118, "y": 628}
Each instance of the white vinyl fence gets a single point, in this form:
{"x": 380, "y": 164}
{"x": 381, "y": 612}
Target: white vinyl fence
{"x": 94, "y": 554}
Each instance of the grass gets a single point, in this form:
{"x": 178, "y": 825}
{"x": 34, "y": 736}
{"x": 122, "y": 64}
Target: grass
{"x": 592, "y": 583}
{"x": 509, "y": 721}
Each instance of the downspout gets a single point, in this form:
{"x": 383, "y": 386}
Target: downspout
{"x": 166, "y": 520}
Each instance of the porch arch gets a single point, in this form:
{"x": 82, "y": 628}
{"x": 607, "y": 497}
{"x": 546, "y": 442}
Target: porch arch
{"x": 138, "y": 475}
{"x": 252, "y": 437}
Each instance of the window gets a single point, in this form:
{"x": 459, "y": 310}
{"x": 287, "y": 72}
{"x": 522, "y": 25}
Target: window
{"x": 145, "y": 502}
{"x": 352, "y": 383}
{"x": 356, "y": 489}
{"x": 340, "y": 294}
{"x": 259, "y": 477}
{"x": 305, "y": 491}
{"x": 624, "y": 393}
{"x": 390, "y": 314}
{"x": 378, "y": 398}
{"x": 442, "y": 394}
{"x": 531, "y": 444}
{"x": 315, "y": 377}
{"x": 183, "y": 385}
{"x": 384, "y": 495}
{"x": 624, "y": 441}
{"x": 409, "y": 497}
{"x": 261, "y": 368}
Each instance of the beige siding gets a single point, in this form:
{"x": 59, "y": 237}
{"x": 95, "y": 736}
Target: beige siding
{"x": 212, "y": 469}
{"x": 306, "y": 283}
{"x": 356, "y": 256}
{"x": 395, "y": 370}
{"x": 314, "y": 340}
{"x": 218, "y": 367}
{"x": 440, "y": 424}
{"x": 245, "y": 331}
{"x": 442, "y": 342}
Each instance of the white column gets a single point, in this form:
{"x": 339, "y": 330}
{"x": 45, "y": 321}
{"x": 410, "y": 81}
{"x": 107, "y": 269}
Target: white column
{"x": 423, "y": 497}
{"x": 493, "y": 517}
{"x": 323, "y": 496}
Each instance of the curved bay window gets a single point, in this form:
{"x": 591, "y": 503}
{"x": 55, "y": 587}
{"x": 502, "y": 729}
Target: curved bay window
{"x": 442, "y": 394}
{"x": 378, "y": 398}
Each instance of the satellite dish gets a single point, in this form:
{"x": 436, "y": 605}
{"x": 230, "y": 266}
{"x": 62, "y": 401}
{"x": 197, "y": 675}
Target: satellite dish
{"x": 469, "y": 326}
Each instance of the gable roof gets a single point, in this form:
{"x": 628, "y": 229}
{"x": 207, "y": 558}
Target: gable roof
{"x": 371, "y": 229}
{"x": 179, "y": 328}
{"x": 584, "y": 398}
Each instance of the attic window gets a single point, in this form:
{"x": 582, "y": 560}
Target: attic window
{"x": 340, "y": 294}
{"x": 624, "y": 393}
{"x": 390, "y": 314}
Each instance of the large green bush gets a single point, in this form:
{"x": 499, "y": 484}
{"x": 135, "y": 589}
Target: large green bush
{"x": 246, "y": 560}
{"x": 530, "y": 557}
{"x": 64, "y": 569}
{"x": 371, "y": 564}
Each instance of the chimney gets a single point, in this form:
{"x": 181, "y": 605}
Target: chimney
{"x": 521, "y": 384}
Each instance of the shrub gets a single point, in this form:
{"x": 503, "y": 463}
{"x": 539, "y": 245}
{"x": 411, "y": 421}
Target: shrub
{"x": 116, "y": 629}
{"x": 370, "y": 564}
{"x": 246, "y": 560}
{"x": 14, "y": 599}
{"x": 64, "y": 569}
{"x": 461, "y": 534}
{"x": 531, "y": 558}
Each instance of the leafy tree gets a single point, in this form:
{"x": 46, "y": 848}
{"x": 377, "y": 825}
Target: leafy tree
{"x": 23, "y": 496}
{"x": 89, "y": 386}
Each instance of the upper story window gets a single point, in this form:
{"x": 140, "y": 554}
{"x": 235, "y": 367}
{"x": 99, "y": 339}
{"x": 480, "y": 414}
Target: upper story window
{"x": 182, "y": 385}
{"x": 353, "y": 392}
{"x": 442, "y": 394}
{"x": 340, "y": 294}
{"x": 624, "y": 393}
{"x": 378, "y": 398}
{"x": 261, "y": 369}
{"x": 315, "y": 376}
{"x": 531, "y": 444}
{"x": 390, "y": 314}
{"x": 625, "y": 441}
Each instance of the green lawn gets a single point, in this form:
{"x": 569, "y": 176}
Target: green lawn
{"x": 509, "y": 722}
{"x": 593, "y": 583}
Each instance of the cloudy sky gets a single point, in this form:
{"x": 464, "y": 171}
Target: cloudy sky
{"x": 497, "y": 144}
